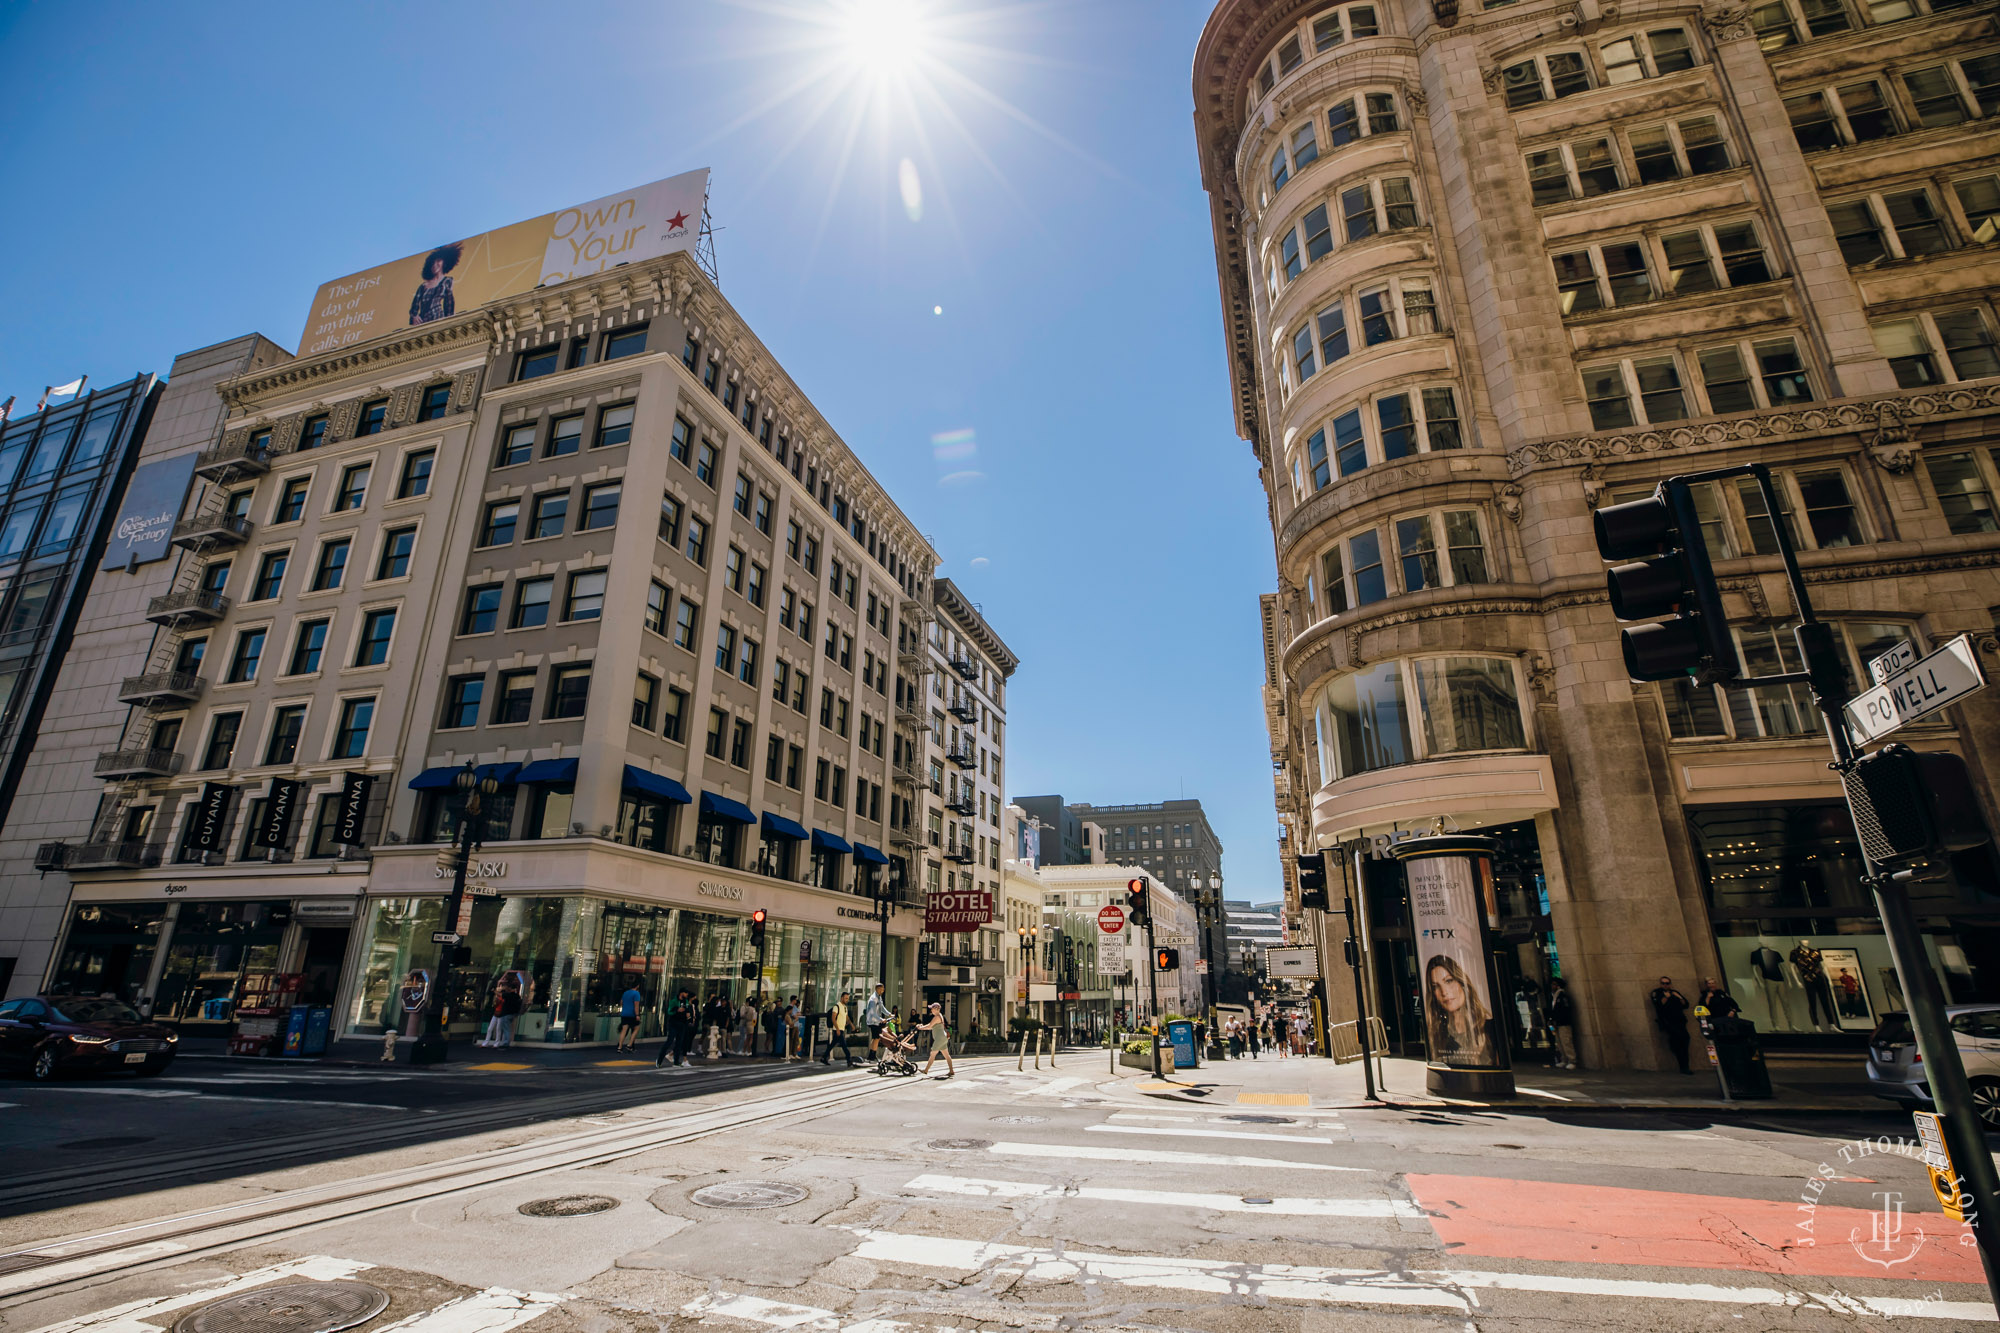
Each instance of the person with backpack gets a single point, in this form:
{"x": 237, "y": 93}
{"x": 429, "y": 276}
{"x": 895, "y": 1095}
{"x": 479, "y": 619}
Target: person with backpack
{"x": 680, "y": 1030}
{"x": 836, "y": 1027}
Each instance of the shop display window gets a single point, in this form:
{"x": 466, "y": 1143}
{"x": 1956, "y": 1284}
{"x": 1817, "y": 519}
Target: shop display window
{"x": 108, "y": 950}
{"x": 213, "y": 947}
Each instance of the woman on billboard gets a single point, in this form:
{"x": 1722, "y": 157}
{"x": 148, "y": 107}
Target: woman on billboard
{"x": 1462, "y": 1031}
{"x": 433, "y": 298}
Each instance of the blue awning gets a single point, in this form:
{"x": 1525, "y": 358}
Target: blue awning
{"x": 724, "y": 808}
{"x": 827, "y": 842}
{"x": 780, "y": 827}
{"x": 549, "y": 770}
{"x": 868, "y": 855}
{"x": 438, "y": 779}
{"x": 655, "y": 786}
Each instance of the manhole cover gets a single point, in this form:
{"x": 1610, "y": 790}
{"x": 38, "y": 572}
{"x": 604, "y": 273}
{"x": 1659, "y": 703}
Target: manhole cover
{"x": 569, "y": 1205}
{"x": 92, "y": 1145}
{"x": 296, "y": 1307}
{"x": 960, "y": 1143}
{"x": 1258, "y": 1120}
{"x": 749, "y": 1194}
{"x": 1020, "y": 1119}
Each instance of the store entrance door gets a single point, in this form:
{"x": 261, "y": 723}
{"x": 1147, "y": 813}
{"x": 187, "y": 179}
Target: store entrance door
{"x": 320, "y": 963}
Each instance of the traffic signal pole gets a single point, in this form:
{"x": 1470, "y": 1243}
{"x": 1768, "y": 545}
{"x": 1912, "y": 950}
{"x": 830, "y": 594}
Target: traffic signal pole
{"x": 1962, "y": 1128}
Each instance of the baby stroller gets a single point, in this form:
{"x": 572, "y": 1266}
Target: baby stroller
{"x": 896, "y": 1049}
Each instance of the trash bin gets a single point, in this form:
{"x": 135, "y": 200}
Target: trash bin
{"x": 1739, "y": 1057}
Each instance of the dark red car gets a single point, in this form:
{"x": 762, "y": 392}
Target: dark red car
{"x": 51, "y": 1035}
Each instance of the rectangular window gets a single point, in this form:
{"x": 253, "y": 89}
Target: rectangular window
{"x": 462, "y": 698}
{"x": 353, "y": 491}
{"x": 670, "y": 520}
{"x": 551, "y": 514}
{"x": 1416, "y": 546}
{"x": 1783, "y": 372}
{"x": 531, "y": 603}
{"x": 287, "y": 724}
{"x": 1365, "y": 559}
{"x": 373, "y": 416}
{"x": 718, "y": 733}
{"x": 537, "y": 362}
{"x": 1319, "y": 234}
{"x": 755, "y": 589}
{"x": 746, "y": 664}
{"x": 687, "y": 624}
{"x": 681, "y": 443}
{"x": 614, "y": 426}
{"x": 307, "y": 648}
{"x": 565, "y": 436}
{"x": 673, "y": 718}
{"x": 515, "y": 700}
{"x": 313, "y": 433}
{"x": 434, "y": 402}
{"x": 739, "y": 743}
{"x": 270, "y": 578}
{"x": 697, "y": 541}
{"x": 377, "y": 628}
{"x": 416, "y": 477}
{"x": 501, "y": 518}
{"x": 1829, "y": 509}
{"x": 350, "y": 738}
{"x": 291, "y": 501}
{"x": 657, "y": 600}
{"x": 1962, "y": 492}
{"x": 1727, "y": 382}
{"x": 1968, "y": 343}
{"x": 222, "y": 734}
{"x": 628, "y": 341}
{"x": 585, "y": 598}
{"x": 518, "y": 446}
{"x": 1350, "y": 444}
{"x": 1333, "y": 578}
{"x": 725, "y": 646}
{"x": 569, "y": 690}
{"x": 732, "y": 569}
{"x": 704, "y": 464}
{"x": 394, "y": 562}
{"x": 1609, "y": 400}
{"x": 645, "y": 698}
{"x": 482, "y": 609}
{"x": 1398, "y": 429}
{"x": 600, "y": 506}
{"x": 762, "y": 516}
{"x": 249, "y": 652}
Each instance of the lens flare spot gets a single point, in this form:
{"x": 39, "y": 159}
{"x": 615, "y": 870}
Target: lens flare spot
{"x": 937, "y": 310}
{"x": 955, "y": 446}
{"x": 911, "y": 188}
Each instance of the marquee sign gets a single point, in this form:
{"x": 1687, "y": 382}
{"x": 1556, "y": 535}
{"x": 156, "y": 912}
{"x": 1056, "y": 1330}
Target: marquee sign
{"x": 958, "y": 910}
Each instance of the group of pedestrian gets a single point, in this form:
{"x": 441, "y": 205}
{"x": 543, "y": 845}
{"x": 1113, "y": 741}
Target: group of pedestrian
{"x": 507, "y": 1005}
{"x": 1670, "y": 1011}
{"x": 1281, "y": 1033}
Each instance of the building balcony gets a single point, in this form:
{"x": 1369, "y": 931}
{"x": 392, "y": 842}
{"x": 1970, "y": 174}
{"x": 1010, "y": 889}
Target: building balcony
{"x": 52, "y": 856}
{"x": 1476, "y": 791}
{"x": 197, "y": 606}
{"x": 916, "y": 660}
{"x": 964, "y": 710}
{"x": 965, "y": 756}
{"x": 905, "y": 775}
{"x": 210, "y": 532}
{"x": 227, "y": 462}
{"x": 962, "y": 855}
{"x": 908, "y": 715}
{"x": 121, "y": 855}
{"x": 965, "y": 667}
{"x": 963, "y": 804}
{"x": 160, "y": 689}
{"x": 904, "y": 837}
{"x": 118, "y": 764}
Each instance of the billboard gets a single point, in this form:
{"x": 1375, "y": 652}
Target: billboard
{"x": 153, "y": 500}
{"x": 643, "y": 223}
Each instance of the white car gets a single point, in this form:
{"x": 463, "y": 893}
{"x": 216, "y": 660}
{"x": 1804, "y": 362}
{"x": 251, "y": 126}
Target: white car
{"x": 1896, "y": 1068}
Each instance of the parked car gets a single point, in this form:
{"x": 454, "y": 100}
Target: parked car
{"x": 60, "y": 1034}
{"x": 1896, "y": 1067}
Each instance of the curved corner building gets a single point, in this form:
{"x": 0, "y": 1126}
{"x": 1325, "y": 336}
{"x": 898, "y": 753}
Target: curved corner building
{"x": 1486, "y": 268}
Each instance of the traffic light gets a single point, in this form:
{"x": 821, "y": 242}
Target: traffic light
{"x": 748, "y": 971}
{"x": 1667, "y": 574}
{"x": 757, "y": 929}
{"x": 1135, "y": 901}
{"x": 1166, "y": 960}
{"x": 1312, "y": 880}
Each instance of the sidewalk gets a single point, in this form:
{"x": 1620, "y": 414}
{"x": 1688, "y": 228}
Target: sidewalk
{"x": 367, "y": 1054}
{"x": 1810, "y": 1083}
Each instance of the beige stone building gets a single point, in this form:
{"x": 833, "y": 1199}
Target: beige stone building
{"x": 594, "y": 541}
{"x": 1484, "y": 268}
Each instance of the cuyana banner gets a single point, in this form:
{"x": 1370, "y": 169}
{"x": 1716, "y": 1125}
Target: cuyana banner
{"x": 958, "y": 910}
{"x": 643, "y": 223}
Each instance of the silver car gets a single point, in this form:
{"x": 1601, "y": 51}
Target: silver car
{"x": 1896, "y": 1069}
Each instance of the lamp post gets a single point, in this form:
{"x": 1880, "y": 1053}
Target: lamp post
{"x": 1209, "y": 908}
{"x": 430, "y": 1048}
{"x": 1029, "y": 936}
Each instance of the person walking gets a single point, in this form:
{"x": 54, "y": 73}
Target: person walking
{"x": 746, "y": 1027}
{"x": 792, "y": 1025}
{"x": 1562, "y": 1023}
{"x": 836, "y": 1027}
{"x": 680, "y": 1030}
{"x": 628, "y": 1018}
{"x": 1670, "y": 1009}
{"x": 940, "y": 1036}
{"x": 493, "y": 1024}
{"x": 874, "y": 1014}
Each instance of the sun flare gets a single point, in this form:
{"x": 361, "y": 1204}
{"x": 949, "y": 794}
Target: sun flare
{"x": 883, "y": 36}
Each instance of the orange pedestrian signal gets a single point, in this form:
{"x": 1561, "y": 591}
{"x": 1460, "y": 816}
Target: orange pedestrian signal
{"x": 1166, "y": 960}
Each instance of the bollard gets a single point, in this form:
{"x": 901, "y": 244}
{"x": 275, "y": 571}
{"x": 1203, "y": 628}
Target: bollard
{"x": 1038, "y": 1050}
{"x": 1021, "y": 1051}
{"x": 1052, "y": 1050}
{"x": 388, "y": 1046}
{"x": 1114, "y": 1049}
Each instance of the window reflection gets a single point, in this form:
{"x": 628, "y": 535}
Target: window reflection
{"x": 1464, "y": 705}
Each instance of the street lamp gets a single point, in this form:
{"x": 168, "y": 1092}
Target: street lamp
{"x": 1209, "y": 910}
{"x": 430, "y": 1047}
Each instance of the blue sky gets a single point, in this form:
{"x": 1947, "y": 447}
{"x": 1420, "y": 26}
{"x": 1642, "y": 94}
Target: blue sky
{"x": 182, "y": 174}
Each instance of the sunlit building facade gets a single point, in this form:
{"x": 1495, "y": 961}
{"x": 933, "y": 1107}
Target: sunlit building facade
{"x": 1485, "y": 268}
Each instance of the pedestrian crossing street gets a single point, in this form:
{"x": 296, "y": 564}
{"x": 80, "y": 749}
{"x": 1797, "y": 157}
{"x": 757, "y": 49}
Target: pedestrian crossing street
{"x": 1093, "y": 1207}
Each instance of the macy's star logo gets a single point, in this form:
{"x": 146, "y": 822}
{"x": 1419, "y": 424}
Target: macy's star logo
{"x": 677, "y": 221}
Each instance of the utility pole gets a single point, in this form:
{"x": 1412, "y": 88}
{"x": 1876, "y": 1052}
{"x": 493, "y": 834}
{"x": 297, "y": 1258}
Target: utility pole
{"x": 1355, "y": 957}
{"x": 432, "y": 1047}
{"x": 1889, "y": 802}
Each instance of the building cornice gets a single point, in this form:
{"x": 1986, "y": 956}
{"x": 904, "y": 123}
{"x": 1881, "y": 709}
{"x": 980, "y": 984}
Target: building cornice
{"x": 427, "y": 340}
{"x": 954, "y": 603}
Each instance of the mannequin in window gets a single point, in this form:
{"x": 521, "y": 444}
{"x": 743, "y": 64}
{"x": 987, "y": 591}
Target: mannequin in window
{"x": 1812, "y": 976}
{"x": 1767, "y": 967}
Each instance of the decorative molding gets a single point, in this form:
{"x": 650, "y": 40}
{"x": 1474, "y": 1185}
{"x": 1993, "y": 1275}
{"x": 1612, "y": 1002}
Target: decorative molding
{"x": 402, "y": 405}
{"x": 1852, "y": 415}
{"x": 1445, "y": 12}
{"x": 342, "y": 421}
{"x": 1752, "y": 589}
{"x": 465, "y": 389}
{"x": 1593, "y": 483}
{"x": 1541, "y": 675}
{"x": 285, "y": 434}
{"x": 425, "y": 340}
{"x": 1986, "y": 643}
{"x": 1508, "y": 500}
{"x": 1419, "y": 104}
{"x": 1892, "y": 446}
{"x": 1726, "y": 22}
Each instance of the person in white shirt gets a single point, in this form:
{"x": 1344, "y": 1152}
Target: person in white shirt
{"x": 874, "y": 1015}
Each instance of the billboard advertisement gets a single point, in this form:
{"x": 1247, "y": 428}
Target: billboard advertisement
{"x": 1458, "y": 999}
{"x": 643, "y": 223}
{"x": 145, "y": 525}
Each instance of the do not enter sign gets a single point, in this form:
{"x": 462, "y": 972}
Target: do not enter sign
{"x": 1111, "y": 920}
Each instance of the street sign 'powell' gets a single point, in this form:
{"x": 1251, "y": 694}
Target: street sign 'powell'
{"x": 1946, "y": 676}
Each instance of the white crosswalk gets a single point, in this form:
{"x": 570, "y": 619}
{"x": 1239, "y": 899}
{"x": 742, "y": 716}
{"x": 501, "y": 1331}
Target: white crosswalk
{"x": 1221, "y": 1203}
{"x": 1092, "y": 1153}
{"x": 1167, "y": 1131}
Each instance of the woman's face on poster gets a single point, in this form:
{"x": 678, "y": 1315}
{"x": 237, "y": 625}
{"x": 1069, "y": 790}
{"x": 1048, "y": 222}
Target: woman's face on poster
{"x": 1447, "y": 992}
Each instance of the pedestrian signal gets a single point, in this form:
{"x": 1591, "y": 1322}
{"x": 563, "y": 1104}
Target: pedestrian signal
{"x": 1166, "y": 960}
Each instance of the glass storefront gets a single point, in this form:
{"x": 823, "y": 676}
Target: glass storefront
{"x": 215, "y": 945}
{"x": 109, "y": 950}
{"x": 574, "y": 958}
{"x": 1802, "y": 949}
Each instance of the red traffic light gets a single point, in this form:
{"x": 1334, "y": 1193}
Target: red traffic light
{"x": 758, "y": 916}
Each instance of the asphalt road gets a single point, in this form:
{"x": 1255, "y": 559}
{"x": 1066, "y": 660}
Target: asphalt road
{"x": 1032, "y": 1200}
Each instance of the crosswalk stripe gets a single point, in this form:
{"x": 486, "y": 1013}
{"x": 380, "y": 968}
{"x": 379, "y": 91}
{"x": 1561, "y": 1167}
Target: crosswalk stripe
{"x": 777, "y": 1314}
{"x": 45, "y": 1274}
{"x": 1204, "y": 1133}
{"x": 1446, "y": 1289}
{"x": 1218, "y": 1276}
{"x": 1158, "y": 1158}
{"x": 143, "y": 1316}
{"x": 493, "y": 1310}
{"x": 1221, "y": 1203}
{"x": 1055, "y": 1088}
